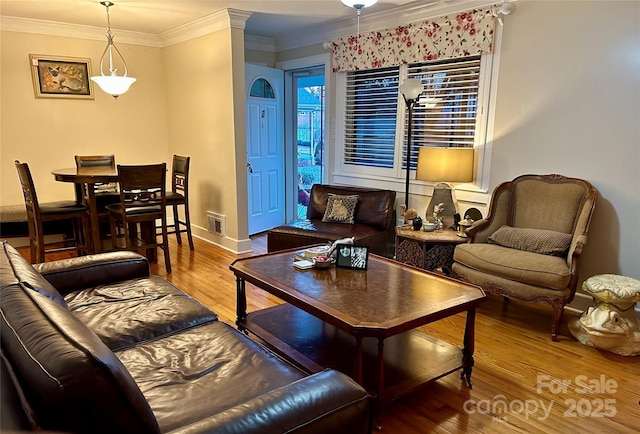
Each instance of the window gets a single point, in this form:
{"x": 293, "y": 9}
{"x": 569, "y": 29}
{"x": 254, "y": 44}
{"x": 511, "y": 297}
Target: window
{"x": 261, "y": 88}
{"x": 370, "y": 121}
{"x": 447, "y": 117}
{"x": 375, "y": 116}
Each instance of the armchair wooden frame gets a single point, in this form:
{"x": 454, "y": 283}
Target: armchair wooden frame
{"x": 506, "y": 208}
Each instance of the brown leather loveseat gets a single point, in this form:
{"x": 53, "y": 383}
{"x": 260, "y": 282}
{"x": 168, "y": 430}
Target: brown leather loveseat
{"x": 373, "y": 221}
{"x": 97, "y": 345}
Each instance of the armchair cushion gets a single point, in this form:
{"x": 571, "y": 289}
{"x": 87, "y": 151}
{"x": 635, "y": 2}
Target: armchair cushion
{"x": 541, "y": 241}
{"x": 515, "y": 265}
{"x": 340, "y": 209}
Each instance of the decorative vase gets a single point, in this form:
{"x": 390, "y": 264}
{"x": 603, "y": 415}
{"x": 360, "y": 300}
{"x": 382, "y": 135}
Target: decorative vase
{"x": 417, "y": 223}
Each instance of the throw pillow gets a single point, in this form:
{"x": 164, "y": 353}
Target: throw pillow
{"x": 340, "y": 209}
{"x": 532, "y": 240}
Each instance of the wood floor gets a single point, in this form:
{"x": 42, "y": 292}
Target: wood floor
{"x": 522, "y": 381}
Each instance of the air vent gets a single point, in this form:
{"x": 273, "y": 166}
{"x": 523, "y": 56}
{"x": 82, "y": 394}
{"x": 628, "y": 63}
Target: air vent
{"x": 216, "y": 223}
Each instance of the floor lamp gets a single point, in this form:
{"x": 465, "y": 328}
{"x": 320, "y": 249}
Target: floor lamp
{"x": 411, "y": 89}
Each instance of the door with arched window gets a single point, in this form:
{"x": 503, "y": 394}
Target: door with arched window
{"x": 265, "y": 147}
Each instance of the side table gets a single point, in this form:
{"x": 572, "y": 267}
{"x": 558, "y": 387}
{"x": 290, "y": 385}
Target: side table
{"x": 427, "y": 250}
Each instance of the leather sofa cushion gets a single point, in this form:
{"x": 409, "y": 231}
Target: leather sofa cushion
{"x": 517, "y": 265}
{"x": 20, "y": 271}
{"x": 309, "y": 232}
{"x": 374, "y": 208}
{"x": 71, "y": 380}
{"x": 211, "y": 368}
{"x": 125, "y": 313}
{"x": 76, "y": 273}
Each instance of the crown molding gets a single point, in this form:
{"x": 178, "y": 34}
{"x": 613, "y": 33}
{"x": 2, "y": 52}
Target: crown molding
{"x": 55, "y": 28}
{"x": 223, "y": 19}
{"x": 370, "y": 22}
{"x": 235, "y": 18}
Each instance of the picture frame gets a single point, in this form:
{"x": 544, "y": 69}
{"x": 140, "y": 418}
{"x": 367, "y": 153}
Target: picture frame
{"x": 350, "y": 256}
{"x": 61, "y": 77}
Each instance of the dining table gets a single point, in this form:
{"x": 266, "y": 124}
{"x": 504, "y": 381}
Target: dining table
{"x": 86, "y": 178}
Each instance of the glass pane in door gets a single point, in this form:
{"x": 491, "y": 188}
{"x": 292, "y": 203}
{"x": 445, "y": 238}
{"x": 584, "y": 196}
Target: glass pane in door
{"x": 310, "y": 133}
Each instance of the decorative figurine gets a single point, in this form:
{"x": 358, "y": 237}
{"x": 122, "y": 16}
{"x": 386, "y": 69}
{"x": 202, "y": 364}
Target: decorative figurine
{"x": 437, "y": 215}
{"x": 408, "y": 214}
{"x": 348, "y": 240}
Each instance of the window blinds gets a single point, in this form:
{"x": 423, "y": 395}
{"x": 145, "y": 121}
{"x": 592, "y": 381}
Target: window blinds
{"x": 370, "y": 117}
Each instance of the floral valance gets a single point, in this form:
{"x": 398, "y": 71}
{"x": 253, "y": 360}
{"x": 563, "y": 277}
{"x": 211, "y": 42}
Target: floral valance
{"x": 465, "y": 34}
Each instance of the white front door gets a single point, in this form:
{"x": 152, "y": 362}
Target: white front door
{"x": 265, "y": 147}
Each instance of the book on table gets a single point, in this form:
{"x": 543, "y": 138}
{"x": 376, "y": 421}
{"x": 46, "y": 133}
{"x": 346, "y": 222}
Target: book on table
{"x": 303, "y": 265}
{"x": 310, "y": 253}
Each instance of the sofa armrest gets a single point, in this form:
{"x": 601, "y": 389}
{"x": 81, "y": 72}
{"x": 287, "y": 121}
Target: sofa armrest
{"x": 81, "y": 272}
{"x": 325, "y": 402}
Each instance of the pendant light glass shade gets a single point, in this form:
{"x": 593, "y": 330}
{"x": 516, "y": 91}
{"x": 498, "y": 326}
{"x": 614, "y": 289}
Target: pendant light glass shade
{"x": 112, "y": 84}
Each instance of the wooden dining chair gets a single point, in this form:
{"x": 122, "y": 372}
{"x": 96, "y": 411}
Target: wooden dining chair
{"x": 143, "y": 201}
{"x": 38, "y": 213}
{"x": 179, "y": 195}
{"x": 105, "y": 193}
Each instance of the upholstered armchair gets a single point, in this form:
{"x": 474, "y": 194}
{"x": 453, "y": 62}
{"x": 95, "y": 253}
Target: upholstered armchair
{"x": 529, "y": 245}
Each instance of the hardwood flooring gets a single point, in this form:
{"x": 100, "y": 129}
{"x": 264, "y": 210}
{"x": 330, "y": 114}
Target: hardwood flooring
{"x": 522, "y": 381}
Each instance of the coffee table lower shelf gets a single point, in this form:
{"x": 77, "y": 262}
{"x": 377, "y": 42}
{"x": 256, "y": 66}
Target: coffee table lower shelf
{"x": 411, "y": 359}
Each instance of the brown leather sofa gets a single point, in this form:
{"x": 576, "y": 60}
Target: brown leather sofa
{"x": 96, "y": 344}
{"x": 373, "y": 226}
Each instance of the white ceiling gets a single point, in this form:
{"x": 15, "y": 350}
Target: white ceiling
{"x": 269, "y": 18}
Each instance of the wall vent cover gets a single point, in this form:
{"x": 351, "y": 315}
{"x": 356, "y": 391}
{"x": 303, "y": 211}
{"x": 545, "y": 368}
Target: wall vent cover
{"x": 216, "y": 223}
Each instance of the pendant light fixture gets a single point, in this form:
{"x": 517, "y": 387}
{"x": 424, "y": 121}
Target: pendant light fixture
{"x": 113, "y": 84}
{"x": 358, "y": 5}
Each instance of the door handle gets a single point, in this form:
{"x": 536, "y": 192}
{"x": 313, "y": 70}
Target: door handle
{"x": 249, "y": 168}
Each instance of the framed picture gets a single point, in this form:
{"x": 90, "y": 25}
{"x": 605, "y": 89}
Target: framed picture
{"x": 61, "y": 77}
{"x": 349, "y": 256}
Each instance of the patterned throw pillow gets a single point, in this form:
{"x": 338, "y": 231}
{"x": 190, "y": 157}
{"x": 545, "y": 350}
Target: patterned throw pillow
{"x": 340, "y": 209}
{"x": 532, "y": 240}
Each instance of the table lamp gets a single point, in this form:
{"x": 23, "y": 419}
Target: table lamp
{"x": 444, "y": 165}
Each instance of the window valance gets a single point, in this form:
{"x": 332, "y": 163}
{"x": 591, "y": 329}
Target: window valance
{"x": 447, "y": 37}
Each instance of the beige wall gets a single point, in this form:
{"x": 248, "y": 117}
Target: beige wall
{"x": 47, "y": 133}
{"x": 202, "y": 117}
{"x": 258, "y": 57}
{"x": 568, "y": 102}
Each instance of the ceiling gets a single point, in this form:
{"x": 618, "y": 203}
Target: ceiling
{"x": 269, "y": 18}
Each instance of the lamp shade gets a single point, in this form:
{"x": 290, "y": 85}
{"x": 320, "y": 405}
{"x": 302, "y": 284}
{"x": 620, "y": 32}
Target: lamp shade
{"x": 445, "y": 164}
{"x": 113, "y": 84}
{"x": 411, "y": 88}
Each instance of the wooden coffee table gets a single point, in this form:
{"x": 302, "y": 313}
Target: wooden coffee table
{"x": 361, "y": 322}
